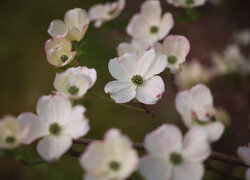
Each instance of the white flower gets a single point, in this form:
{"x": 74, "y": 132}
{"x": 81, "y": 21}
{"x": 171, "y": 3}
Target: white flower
{"x": 173, "y": 157}
{"x": 244, "y": 153}
{"x": 136, "y": 77}
{"x": 59, "y": 51}
{"x": 192, "y": 73}
{"x": 136, "y": 46}
{"x": 148, "y": 25}
{"x": 242, "y": 37}
{"x": 187, "y": 3}
{"x": 113, "y": 158}
{"x": 196, "y": 108}
{"x": 74, "y": 27}
{"x": 75, "y": 81}
{"x": 101, "y": 13}
{"x": 57, "y": 122}
{"x": 11, "y": 133}
{"x": 176, "y": 48}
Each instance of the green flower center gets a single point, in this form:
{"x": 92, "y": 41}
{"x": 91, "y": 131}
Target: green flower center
{"x": 64, "y": 58}
{"x": 54, "y": 129}
{"x": 73, "y": 90}
{"x": 10, "y": 139}
{"x": 154, "y": 29}
{"x": 137, "y": 80}
{"x": 114, "y": 165}
{"x": 172, "y": 60}
{"x": 175, "y": 158}
{"x": 213, "y": 118}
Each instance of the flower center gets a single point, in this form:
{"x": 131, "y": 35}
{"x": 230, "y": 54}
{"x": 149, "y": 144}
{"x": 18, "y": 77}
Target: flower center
{"x": 73, "y": 90}
{"x": 64, "y": 57}
{"x": 172, "y": 60}
{"x": 190, "y": 2}
{"x": 137, "y": 80}
{"x": 213, "y": 118}
{"x": 114, "y": 165}
{"x": 10, "y": 139}
{"x": 175, "y": 158}
{"x": 54, "y": 129}
{"x": 154, "y": 29}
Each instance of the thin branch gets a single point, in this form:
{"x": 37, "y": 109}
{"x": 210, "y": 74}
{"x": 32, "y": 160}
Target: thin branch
{"x": 27, "y": 163}
{"x": 148, "y": 111}
{"x": 214, "y": 155}
{"x": 173, "y": 83}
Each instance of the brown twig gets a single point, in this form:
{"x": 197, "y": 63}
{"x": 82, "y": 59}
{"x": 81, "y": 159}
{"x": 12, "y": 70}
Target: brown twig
{"x": 148, "y": 111}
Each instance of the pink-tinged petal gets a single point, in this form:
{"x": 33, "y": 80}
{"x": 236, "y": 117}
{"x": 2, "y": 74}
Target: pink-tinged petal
{"x": 151, "y": 90}
{"x": 51, "y": 148}
{"x": 58, "y": 42}
{"x": 167, "y": 23}
{"x": 97, "y": 12}
{"x": 125, "y": 48}
{"x": 76, "y": 18}
{"x": 152, "y": 64}
{"x": 57, "y": 28}
{"x": 53, "y": 108}
{"x": 164, "y": 140}
{"x": 77, "y": 124}
{"x": 37, "y": 128}
{"x": 214, "y": 130}
{"x": 124, "y": 67}
{"x": 244, "y": 154}
{"x": 188, "y": 171}
{"x": 152, "y": 10}
{"x": 121, "y": 92}
{"x": 152, "y": 168}
{"x": 196, "y": 148}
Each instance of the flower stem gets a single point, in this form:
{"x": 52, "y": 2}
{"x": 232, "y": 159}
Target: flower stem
{"x": 32, "y": 163}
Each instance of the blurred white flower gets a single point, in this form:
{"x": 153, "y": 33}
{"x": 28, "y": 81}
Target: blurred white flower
{"x": 59, "y": 51}
{"x": 113, "y": 158}
{"x": 136, "y": 77}
{"x": 173, "y": 157}
{"x": 242, "y": 37}
{"x": 101, "y": 13}
{"x": 192, "y": 73}
{"x": 149, "y": 25}
{"x": 176, "y": 48}
{"x": 11, "y": 133}
{"x": 244, "y": 153}
{"x": 74, "y": 26}
{"x": 186, "y": 3}
{"x": 196, "y": 108}
{"x": 57, "y": 122}
{"x": 75, "y": 81}
{"x": 136, "y": 46}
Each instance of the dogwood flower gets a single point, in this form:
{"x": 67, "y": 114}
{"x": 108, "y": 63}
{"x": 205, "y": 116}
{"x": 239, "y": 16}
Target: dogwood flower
{"x": 148, "y": 25}
{"x": 136, "y": 77}
{"x": 173, "y": 157}
{"x": 192, "y": 73}
{"x": 242, "y": 37}
{"x": 57, "y": 123}
{"x": 11, "y": 133}
{"x": 136, "y": 46}
{"x": 244, "y": 153}
{"x": 186, "y": 3}
{"x": 75, "y": 81}
{"x": 113, "y": 158}
{"x": 101, "y": 13}
{"x": 59, "y": 51}
{"x": 74, "y": 26}
{"x": 176, "y": 48}
{"x": 196, "y": 108}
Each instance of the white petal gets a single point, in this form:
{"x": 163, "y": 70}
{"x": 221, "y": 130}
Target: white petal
{"x": 196, "y": 147}
{"x": 124, "y": 67}
{"x": 244, "y": 153}
{"x": 167, "y": 23}
{"x": 76, "y": 18}
{"x": 77, "y": 125}
{"x": 89, "y": 176}
{"x": 152, "y": 64}
{"x": 151, "y": 9}
{"x": 154, "y": 169}
{"x": 91, "y": 73}
{"x": 37, "y": 128}
{"x": 125, "y": 48}
{"x": 164, "y": 140}
{"x": 53, "y": 108}
{"x": 121, "y": 92}
{"x": 215, "y": 131}
{"x": 97, "y": 12}
{"x": 57, "y": 28}
{"x": 151, "y": 90}
{"x": 248, "y": 174}
{"x": 188, "y": 171}
{"x": 51, "y": 148}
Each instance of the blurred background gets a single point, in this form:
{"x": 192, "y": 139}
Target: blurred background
{"x": 26, "y": 75}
